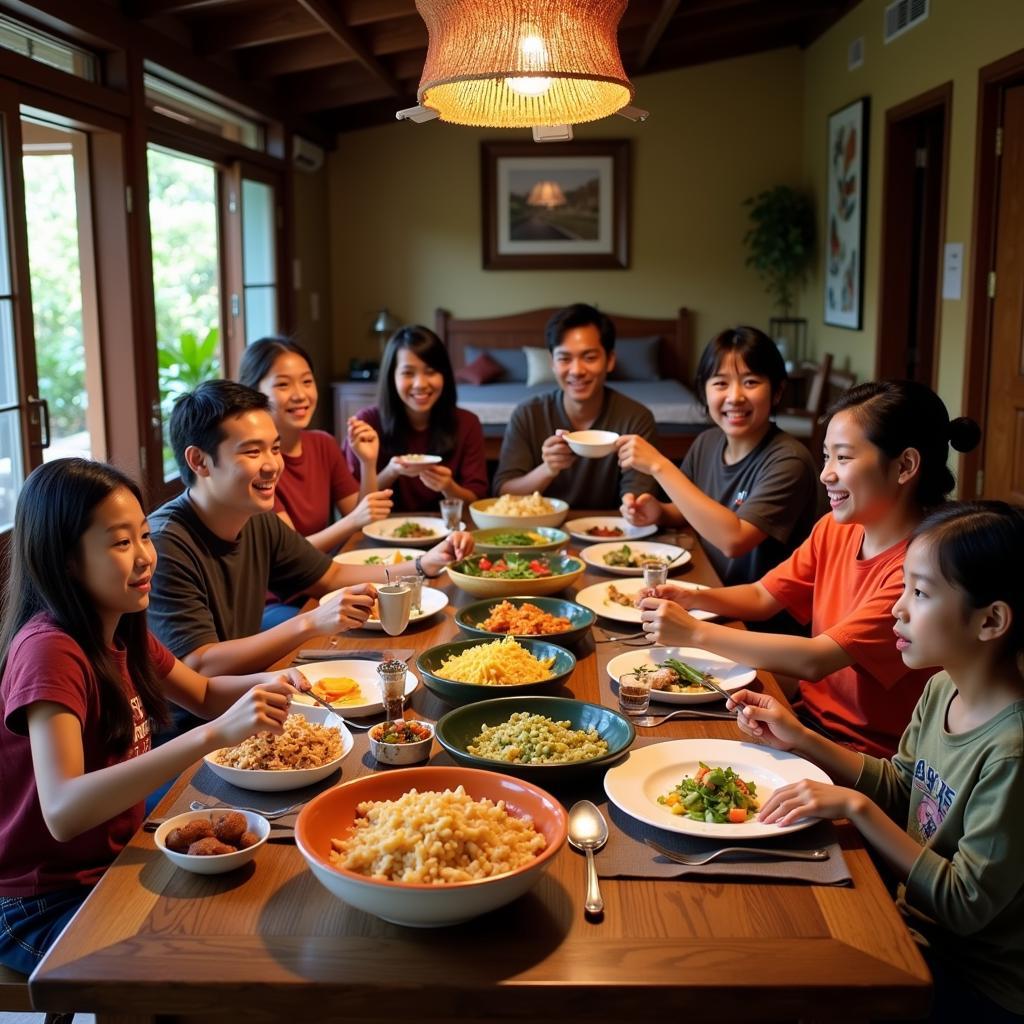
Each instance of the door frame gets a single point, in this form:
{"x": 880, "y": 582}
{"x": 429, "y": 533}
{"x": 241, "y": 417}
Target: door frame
{"x": 892, "y": 302}
{"x": 993, "y": 79}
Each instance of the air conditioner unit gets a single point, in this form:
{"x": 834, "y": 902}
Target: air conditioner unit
{"x": 306, "y": 155}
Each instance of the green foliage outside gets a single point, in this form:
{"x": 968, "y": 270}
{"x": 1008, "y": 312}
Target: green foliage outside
{"x": 781, "y": 241}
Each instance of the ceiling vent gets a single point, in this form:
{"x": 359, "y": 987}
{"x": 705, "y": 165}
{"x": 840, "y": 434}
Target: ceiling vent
{"x": 902, "y": 16}
{"x": 306, "y": 156}
{"x": 855, "y": 54}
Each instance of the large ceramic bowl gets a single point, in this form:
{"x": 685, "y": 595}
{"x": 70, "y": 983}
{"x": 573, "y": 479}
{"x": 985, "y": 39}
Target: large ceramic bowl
{"x": 544, "y": 538}
{"x": 485, "y": 519}
{"x": 217, "y": 864}
{"x": 453, "y": 692}
{"x": 331, "y": 814}
{"x": 591, "y": 444}
{"x": 468, "y": 619}
{"x": 565, "y": 570}
{"x": 457, "y": 730}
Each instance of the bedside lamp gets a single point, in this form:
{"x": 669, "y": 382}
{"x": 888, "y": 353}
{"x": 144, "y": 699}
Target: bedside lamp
{"x": 384, "y": 325}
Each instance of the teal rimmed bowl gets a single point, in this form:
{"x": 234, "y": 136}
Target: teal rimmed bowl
{"x": 468, "y": 619}
{"x": 453, "y": 692}
{"x": 546, "y": 538}
{"x": 457, "y": 730}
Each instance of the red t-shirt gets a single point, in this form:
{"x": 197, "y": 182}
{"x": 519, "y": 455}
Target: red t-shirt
{"x": 313, "y": 483}
{"x": 467, "y": 461}
{"x": 868, "y": 704}
{"x": 44, "y": 663}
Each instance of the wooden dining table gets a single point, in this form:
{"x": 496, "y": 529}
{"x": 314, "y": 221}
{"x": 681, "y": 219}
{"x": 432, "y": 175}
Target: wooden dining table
{"x": 268, "y": 942}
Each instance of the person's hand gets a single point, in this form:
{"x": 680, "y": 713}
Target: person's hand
{"x": 665, "y": 622}
{"x": 375, "y": 505}
{"x": 363, "y": 440}
{"x": 636, "y": 453}
{"x": 348, "y": 609}
{"x": 807, "y": 799}
{"x": 436, "y": 477}
{"x": 556, "y": 454}
{"x": 767, "y": 720}
{"x": 402, "y": 468}
{"x": 685, "y": 597}
{"x": 641, "y": 509}
{"x": 264, "y": 708}
{"x": 453, "y": 548}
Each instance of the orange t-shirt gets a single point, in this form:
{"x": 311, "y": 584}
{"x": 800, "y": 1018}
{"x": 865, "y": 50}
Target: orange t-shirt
{"x": 867, "y": 704}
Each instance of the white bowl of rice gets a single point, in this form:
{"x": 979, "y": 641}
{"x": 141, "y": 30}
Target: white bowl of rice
{"x": 373, "y": 842}
{"x": 519, "y": 511}
{"x": 313, "y": 745}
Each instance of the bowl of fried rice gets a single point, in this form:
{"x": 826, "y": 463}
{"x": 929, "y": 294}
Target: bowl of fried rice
{"x": 463, "y": 671}
{"x": 519, "y": 511}
{"x": 376, "y": 842}
{"x": 312, "y": 747}
{"x": 553, "y": 618}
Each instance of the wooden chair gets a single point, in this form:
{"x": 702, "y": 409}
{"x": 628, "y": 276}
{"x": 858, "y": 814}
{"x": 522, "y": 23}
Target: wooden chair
{"x": 806, "y": 423}
{"x": 14, "y": 990}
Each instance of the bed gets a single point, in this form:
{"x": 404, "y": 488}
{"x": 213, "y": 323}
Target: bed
{"x": 654, "y": 368}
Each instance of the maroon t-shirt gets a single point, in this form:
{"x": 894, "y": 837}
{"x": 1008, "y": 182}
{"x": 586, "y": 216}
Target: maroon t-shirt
{"x": 467, "y": 461}
{"x": 44, "y": 663}
{"x": 313, "y": 483}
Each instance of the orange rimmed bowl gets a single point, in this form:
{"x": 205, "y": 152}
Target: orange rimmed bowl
{"x": 330, "y": 815}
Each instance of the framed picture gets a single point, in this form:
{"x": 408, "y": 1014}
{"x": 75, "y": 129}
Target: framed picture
{"x": 844, "y": 238}
{"x": 556, "y": 206}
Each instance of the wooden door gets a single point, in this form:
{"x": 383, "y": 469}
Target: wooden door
{"x": 1004, "y": 424}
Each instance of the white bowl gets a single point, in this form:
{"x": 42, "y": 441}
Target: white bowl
{"x": 215, "y": 864}
{"x": 266, "y": 781}
{"x": 485, "y": 520}
{"x": 401, "y": 753}
{"x": 591, "y": 444}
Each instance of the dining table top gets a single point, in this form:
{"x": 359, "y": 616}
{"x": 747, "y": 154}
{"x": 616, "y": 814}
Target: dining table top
{"x": 268, "y": 942}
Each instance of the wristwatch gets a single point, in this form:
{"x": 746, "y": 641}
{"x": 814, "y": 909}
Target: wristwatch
{"x": 423, "y": 572}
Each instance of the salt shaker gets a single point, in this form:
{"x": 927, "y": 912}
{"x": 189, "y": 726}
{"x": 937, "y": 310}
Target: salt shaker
{"x": 391, "y": 676}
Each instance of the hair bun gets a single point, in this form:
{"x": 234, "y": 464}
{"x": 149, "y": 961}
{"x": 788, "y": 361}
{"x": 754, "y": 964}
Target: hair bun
{"x": 964, "y": 434}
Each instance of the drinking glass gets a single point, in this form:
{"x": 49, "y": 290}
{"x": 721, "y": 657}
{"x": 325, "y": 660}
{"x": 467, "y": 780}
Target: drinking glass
{"x": 391, "y": 676}
{"x": 394, "y": 603}
{"x": 451, "y": 513}
{"x": 655, "y": 574}
{"x": 635, "y": 693}
{"x": 415, "y": 584}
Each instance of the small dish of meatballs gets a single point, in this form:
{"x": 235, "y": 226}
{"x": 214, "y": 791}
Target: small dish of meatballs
{"x": 212, "y": 842}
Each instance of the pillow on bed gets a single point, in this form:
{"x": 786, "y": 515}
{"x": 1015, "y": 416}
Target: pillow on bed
{"x": 483, "y": 370}
{"x": 636, "y": 359}
{"x": 511, "y": 360}
{"x": 538, "y": 367}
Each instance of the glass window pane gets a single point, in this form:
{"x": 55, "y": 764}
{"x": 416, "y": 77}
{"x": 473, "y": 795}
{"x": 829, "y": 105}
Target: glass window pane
{"x": 260, "y": 312}
{"x": 47, "y": 49}
{"x": 5, "y": 266}
{"x": 182, "y": 104}
{"x": 257, "y": 233}
{"x": 8, "y": 368}
{"x": 12, "y": 471}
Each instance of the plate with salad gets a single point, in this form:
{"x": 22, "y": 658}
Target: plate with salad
{"x": 705, "y": 787}
{"x": 408, "y": 531}
{"x": 676, "y": 673}
{"x": 390, "y": 557}
{"x": 628, "y": 558}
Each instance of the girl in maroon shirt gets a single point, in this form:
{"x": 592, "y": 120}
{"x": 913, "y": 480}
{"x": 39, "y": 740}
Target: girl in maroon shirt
{"x": 416, "y": 415}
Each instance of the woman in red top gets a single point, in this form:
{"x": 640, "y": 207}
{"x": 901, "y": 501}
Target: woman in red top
{"x": 886, "y": 449}
{"x": 81, "y": 680}
{"x": 416, "y": 415}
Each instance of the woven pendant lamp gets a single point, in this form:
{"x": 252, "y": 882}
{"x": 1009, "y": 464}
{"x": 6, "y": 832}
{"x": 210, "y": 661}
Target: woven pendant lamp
{"x": 521, "y": 63}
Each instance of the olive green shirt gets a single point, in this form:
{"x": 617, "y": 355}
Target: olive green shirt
{"x": 962, "y": 798}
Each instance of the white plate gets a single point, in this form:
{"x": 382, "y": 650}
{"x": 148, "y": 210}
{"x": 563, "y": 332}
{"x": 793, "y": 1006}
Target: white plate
{"x": 364, "y": 673}
{"x": 649, "y": 772}
{"x": 384, "y": 531}
{"x": 431, "y": 602}
{"x": 359, "y": 556}
{"x": 578, "y": 528}
{"x": 412, "y": 459}
{"x": 595, "y": 598}
{"x": 276, "y": 781}
{"x": 728, "y": 674}
{"x": 594, "y": 555}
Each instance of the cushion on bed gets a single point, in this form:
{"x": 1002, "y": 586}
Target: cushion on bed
{"x": 636, "y": 359}
{"x": 538, "y": 367}
{"x": 483, "y": 370}
{"x": 511, "y": 359}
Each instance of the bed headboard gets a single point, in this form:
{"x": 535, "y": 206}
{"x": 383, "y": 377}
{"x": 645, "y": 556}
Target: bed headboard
{"x": 523, "y": 330}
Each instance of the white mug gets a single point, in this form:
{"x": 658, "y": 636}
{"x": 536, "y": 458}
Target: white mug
{"x": 394, "y": 605}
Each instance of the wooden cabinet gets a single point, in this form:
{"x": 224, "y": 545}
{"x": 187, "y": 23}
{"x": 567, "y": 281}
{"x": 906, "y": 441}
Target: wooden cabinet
{"x": 349, "y": 397}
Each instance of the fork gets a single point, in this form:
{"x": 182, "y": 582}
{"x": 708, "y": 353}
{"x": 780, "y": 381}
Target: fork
{"x": 650, "y": 721}
{"x": 334, "y": 712}
{"x": 608, "y": 639}
{"x": 696, "y": 859}
{"x": 280, "y": 812}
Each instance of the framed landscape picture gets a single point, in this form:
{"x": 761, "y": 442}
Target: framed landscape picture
{"x": 844, "y": 226}
{"x": 556, "y": 206}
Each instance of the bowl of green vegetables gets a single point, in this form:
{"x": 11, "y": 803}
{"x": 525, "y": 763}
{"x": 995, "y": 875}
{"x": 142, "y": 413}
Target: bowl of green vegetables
{"x": 514, "y": 574}
{"x": 499, "y": 540}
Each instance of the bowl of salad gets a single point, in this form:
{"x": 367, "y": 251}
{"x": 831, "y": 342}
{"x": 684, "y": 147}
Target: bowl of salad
{"x": 513, "y": 574}
{"x": 534, "y": 539}
{"x": 405, "y": 741}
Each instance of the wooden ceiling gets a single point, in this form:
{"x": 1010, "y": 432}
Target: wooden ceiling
{"x": 346, "y": 64}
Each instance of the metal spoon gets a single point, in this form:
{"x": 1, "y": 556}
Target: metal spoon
{"x": 588, "y": 831}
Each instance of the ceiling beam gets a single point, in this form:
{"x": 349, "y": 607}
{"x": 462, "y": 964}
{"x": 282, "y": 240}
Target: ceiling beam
{"x": 253, "y": 27}
{"x": 398, "y": 36}
{"x": 325, "y": 15}
{"x": 365, "y": 12}
{"x": 155, "y": 8}
{"x": 291, "y": 57}
{"x": 655, "y": 32}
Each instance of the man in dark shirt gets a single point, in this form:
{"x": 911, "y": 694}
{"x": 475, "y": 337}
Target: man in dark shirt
{"x": 534, "y": 453}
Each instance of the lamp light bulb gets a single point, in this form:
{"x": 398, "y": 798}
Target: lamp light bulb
{"x": 529, "y": 86}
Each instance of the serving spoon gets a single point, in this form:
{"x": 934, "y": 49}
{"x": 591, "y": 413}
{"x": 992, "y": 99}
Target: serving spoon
{"x": 588, "y": 831}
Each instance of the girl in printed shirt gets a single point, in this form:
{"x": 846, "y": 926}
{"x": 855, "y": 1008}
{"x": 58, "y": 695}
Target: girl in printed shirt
{"x": 81, "y": 681}
{"x": 885, "y": 450}
{"x": 945, "y": 812}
